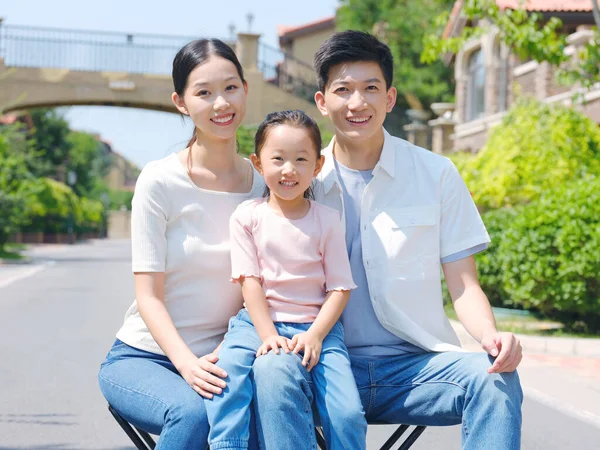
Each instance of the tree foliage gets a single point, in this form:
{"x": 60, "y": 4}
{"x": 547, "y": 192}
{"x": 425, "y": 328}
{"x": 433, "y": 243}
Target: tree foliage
{"x": 402, "y": 24}
{"x": 15, "y": 151}
{"x": 528, "y": 35}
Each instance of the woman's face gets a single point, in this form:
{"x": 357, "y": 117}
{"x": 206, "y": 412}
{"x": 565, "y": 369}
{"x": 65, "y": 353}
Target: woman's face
{"x": 214, "y": 98}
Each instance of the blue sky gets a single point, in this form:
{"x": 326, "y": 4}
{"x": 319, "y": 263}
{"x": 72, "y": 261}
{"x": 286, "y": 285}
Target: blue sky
{"x": 142, "y": 135}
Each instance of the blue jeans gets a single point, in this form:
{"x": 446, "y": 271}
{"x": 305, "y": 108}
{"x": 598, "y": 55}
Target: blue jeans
{"x": 148, "y": 392}
{"x": 337, "y": 399}
{"x": 433, "y": 389}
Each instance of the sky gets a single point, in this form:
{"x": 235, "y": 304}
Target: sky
{"x": 142, "y": 135}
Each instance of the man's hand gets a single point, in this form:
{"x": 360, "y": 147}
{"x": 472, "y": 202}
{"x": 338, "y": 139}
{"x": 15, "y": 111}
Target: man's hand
{"x": 505, "y": 347}
{"x": 273, "y": 343}
{"x": 311, "y": 345}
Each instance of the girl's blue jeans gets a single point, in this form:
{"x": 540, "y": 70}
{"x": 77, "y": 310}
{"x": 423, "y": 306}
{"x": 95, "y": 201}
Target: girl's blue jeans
{"x": 433, "y": 389}
{"x": 336, "y": 397}
{"x": 148, "y": 392}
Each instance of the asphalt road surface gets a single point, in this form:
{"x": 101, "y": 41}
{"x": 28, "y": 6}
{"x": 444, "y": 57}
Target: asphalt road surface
{"x": 58, "y": 318}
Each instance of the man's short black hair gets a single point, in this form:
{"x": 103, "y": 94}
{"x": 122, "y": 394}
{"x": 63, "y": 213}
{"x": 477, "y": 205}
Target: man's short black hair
{"x": 352, "y": 46}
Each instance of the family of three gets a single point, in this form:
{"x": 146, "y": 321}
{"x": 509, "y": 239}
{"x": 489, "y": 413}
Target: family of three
{"x": 304, "y": 285}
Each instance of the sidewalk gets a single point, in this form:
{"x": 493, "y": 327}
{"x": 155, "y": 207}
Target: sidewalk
{"x": 564, "y": 346}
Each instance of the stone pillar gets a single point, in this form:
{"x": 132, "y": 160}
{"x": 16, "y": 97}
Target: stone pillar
{"x": 442, "y": 127}
{"x": 246, "y": 49}
{"x": 417, "y": 131}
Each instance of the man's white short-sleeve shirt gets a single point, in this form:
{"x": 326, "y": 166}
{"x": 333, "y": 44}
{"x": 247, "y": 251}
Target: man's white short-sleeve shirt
{"x": 415, "y": 211}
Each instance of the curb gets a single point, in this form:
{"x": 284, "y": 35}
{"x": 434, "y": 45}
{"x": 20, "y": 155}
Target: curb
{"x": 565, "y": 346}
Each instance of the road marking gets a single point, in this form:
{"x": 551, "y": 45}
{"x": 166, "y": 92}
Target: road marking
{"x": 554, "y": 403}
{"x": 25, "y": 273}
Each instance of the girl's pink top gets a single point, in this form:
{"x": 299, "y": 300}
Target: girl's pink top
{"x": 297, "y": 261}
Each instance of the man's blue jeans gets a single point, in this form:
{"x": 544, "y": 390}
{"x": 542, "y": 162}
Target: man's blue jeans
{"x": 337, "y": 399}
{"x": 433, "y": 389}
{"x": 148, "y": 392}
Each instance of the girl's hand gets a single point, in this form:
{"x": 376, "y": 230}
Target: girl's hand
{"x": 311, "y": 345}
{"x": 203, "y": 375}
{"x": 273, "y": 343}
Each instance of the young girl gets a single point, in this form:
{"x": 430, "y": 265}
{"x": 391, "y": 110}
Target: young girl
{"x": 162, "y": 363}
{"x": 289, "y": 255}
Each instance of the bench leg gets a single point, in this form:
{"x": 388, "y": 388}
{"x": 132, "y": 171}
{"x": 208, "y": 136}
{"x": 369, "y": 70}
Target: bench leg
{"x": 128, "y": 429}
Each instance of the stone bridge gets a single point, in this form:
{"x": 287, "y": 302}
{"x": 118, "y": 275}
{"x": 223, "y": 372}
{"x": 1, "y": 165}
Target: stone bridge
{"x": 46, "y": 67}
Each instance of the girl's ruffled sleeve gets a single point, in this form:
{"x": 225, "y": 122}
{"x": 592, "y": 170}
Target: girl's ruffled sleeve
{"x": 244, "y": 257}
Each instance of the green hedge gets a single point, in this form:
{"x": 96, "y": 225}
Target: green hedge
{"x": 536, "y": 148}
{"x": 545, "y": 256}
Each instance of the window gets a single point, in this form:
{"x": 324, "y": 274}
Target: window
{"x": 475, "y": 86}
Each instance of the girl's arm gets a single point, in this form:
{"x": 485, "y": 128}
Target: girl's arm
{"x": 330, "y": 312}
{"x": 311, "y": 341}
{"x": 258, "y": 308}
{"x": 199, "y": 373}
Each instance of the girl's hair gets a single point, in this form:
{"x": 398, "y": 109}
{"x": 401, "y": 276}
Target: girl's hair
{"x": 191, "y": 56}
{"x": 294, "y": 118}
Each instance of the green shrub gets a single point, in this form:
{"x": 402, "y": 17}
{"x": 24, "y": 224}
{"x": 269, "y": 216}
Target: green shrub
{"x": 536, "y": 148}
{"x": 549, "y": 255}
{"x": 497, "y": 222}
{"x": 92, "y": 215}
{"x": 118, "y": 199}
{"x": 52, "y": 205}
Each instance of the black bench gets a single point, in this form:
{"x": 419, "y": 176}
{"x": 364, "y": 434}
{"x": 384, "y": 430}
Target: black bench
{"x": 143, "y": 441}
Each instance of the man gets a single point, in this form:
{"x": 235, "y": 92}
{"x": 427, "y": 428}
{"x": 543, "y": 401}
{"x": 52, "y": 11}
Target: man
{"x": 407, "y": 213}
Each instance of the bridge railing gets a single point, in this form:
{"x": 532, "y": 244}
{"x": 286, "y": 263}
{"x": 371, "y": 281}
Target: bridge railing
{"x": 23, "y": 46}
{"x": 80, "y": 50}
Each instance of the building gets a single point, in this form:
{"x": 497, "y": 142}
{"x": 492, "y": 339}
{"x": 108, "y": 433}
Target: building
{"x": 489, "y": 78}
{"x": 299, "y": 44}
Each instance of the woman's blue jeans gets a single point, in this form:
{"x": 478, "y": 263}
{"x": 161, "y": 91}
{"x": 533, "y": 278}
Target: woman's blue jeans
{"x": 148, "y": 392}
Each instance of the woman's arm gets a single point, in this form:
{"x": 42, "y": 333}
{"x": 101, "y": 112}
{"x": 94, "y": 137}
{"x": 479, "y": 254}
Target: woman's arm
{"x": 199, "y": 373}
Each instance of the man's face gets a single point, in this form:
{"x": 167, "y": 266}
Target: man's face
{"x": 356, "y": 100}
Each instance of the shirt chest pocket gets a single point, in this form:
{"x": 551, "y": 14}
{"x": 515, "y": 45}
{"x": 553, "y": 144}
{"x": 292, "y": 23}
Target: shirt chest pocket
{"x": 408, "y": 235}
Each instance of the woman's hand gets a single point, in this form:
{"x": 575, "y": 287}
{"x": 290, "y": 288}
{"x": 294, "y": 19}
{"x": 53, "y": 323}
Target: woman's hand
{"x": 203, "y": 375}
{"x": 311, "y": 345}
{"x": 273, "y": 343}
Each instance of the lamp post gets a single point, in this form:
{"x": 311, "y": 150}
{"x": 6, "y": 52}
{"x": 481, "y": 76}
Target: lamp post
{"x": 71, "y": 180}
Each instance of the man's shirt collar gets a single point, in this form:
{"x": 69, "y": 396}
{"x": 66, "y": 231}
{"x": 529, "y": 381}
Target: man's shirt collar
{"x": 387, "y": 162}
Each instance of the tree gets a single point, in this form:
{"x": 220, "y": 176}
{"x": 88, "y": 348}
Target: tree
{"x": 526, "y": 34}
{"x": 89, "y": 160}
{"x": 402, "y": 24}
{"x": 15, "y": 182}
{"x": 50, "y": 134}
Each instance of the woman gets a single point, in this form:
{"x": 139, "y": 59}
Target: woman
{"x": 163, "y": 361}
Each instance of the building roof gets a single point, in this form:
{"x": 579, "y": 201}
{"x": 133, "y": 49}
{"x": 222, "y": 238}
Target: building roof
{"x": 548, "y": 6}
{"x": 287, "y": 33}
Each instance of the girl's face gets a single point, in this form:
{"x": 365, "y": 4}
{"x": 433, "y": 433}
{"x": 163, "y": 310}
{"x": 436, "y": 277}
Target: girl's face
{"x": 288, "y": 161}
{"x": 214, "y": 98}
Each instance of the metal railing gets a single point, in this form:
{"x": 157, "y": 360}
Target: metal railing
{"x": 23, "y": 46}
{"x": 99, "y": 51}
{"x": 287, "y": 72}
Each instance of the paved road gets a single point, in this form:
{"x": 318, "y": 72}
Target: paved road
{"x": 57, "y": 322}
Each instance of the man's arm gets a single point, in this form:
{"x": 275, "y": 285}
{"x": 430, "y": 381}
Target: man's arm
{"x": 475, "y": 313}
